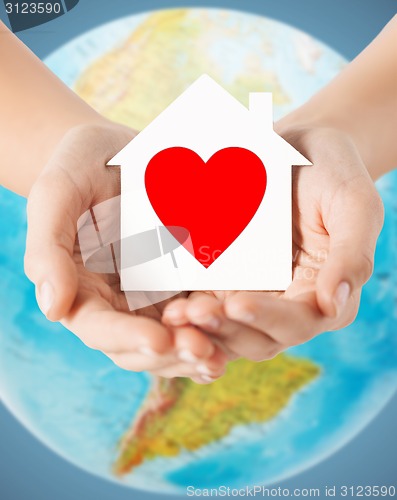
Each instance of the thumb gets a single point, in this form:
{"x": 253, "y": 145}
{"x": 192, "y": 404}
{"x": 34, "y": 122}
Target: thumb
{"x": 52, "y": 211}
{"x": 354, "y": 222}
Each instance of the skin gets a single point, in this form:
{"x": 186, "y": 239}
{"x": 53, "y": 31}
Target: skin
{"x": 347, "y": 130}
{"x": 337, "y": 218}
{"x": 62, "y": 171}
{"x": 92, "y": 305}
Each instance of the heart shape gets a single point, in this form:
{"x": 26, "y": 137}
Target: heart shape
{"x": 213, "y": 200}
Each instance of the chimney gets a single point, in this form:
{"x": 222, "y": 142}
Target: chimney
{"x": 261, "y": 108}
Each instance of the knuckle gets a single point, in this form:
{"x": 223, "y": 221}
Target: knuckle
{"x": 84, "y": 133}
{"x": 379, "y": 209}
{"x": 366, "y": 267}
{"x": 40, "y": 188}
{"x": 371, "y": 200}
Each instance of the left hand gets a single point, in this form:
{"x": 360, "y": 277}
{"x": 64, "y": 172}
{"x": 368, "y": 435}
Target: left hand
{"x": 337, "y": 218}
{"x": 92, "y": 305}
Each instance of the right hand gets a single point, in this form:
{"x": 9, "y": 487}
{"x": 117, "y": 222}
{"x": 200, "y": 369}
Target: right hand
{"x": 337, "y": 218}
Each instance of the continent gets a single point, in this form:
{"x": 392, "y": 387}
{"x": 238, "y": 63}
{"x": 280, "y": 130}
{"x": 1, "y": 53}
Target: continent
{"x": 180, "y": 415}
{"x": 169, "y": 50}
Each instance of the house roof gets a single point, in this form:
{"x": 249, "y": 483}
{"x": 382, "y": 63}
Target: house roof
{"x": 206, "y": 99}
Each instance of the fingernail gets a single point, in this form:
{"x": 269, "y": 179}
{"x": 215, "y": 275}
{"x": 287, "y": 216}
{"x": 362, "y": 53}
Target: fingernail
{"x": 172, "y": 313}
{"x": 342, "y": 295}
{"x": 210, "y": 321}
{"x": 45, "y": 297}
{"x": 173, "y": 316}
{"x": 188, "y": 356}
{"x": 203, "y": 369}
{"x": 206, "y": 378}
{"x": 148, "y": 351}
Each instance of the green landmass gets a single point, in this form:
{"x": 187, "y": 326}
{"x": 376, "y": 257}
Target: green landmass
{"x": 181, "y": 415}
{"x": 138, "y": 79}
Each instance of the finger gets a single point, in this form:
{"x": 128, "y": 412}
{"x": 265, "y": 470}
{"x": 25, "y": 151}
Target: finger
{"x": 102, "y": 328}
{"x": 207, "y": 312}
{"x": 287, "y": 322}
{"x": 206, "y": 371}
{"x": 192, "y": 345}
{"x": 174, "y": 313}
{"x": 354, "y": 223}
{"x": 212, "y": 369}
{"x": 214, "y": 366}
{"x": 52, "y": 211}
{"x": 182, "y": 371}
{"x": 175, "y": 370}
{"x": 156, "y": 364}
{"x": 203, "y": 379}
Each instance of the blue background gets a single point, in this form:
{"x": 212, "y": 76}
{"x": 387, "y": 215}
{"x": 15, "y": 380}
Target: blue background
{"x": 31, "y": 472}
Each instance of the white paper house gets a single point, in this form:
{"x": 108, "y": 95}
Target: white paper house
{"x": 206, "y": 119}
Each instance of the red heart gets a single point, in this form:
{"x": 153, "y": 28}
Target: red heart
{"x": 214, "y": 201}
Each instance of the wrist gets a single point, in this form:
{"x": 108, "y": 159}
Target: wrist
{"x": 310, "y": 118}
{"x": 366, "y": 126}
{"x": 40, "y": 144}
{"x": 97, "y": 140}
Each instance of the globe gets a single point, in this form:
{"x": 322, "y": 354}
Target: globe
{"x": 261, "y": 422}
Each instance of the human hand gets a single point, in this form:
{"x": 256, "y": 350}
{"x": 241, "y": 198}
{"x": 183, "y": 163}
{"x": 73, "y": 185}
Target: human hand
{"x": 92, "y": 305}
{"x": 337, "y": 218}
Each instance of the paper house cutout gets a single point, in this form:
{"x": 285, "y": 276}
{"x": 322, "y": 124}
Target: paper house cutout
{"x": 206, "y": 119}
